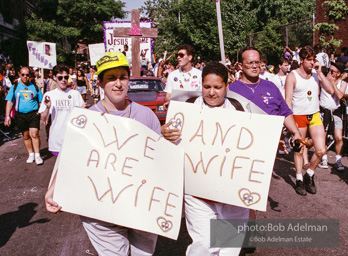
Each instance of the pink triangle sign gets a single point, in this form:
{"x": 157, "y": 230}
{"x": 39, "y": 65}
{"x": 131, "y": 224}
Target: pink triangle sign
{"x": 135, "y": 31}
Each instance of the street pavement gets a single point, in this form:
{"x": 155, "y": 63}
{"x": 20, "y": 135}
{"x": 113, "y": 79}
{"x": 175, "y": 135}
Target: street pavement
{"x": 27, "y": 229}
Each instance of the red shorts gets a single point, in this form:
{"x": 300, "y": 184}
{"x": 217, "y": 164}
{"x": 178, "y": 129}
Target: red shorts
{"x": 308, "y": 120}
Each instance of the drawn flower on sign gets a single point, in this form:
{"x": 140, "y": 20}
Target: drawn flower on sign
{"x": 249, "y": 198}
{"x": 79, "y": 121}
{"x": 164, "y": 225}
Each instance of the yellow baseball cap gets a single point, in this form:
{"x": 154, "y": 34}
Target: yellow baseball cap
{"x": 111, "y": 60}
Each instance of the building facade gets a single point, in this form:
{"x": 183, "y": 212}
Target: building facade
{"x": 342, "y": 33}
{"x": 12, "y": 12}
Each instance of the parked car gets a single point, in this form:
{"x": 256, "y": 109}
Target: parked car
{"x": 148, "y": 91}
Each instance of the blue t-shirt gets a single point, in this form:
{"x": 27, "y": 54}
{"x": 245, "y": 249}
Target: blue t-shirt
{"x": 266, "y": 96}
{"x": 28, "y": 97}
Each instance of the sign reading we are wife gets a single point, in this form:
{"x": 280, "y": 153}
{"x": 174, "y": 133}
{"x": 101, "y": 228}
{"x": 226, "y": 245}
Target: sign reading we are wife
{"x": 229, "y": 155}
{"x": 117, "y": 170}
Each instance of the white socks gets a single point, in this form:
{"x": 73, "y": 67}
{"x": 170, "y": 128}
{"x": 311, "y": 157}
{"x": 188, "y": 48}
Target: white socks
{"x": 299, "y": 176}
{"x": 310, "y": 172}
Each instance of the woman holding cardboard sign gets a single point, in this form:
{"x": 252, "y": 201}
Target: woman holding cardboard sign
{"x": 199, "y": 212}
{"x": 109, "y": 239}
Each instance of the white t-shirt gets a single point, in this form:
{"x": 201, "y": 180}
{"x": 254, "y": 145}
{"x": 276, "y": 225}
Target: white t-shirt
{"x": 62, "y": 103}
{"x": 279, "y": 81}
{"x": 330, "y": 101}
{"x": 296, "y": 56}
{"x": 227, "y": 104}
{"x": 189, "y": 81}
{"x": 266, "y": 76}
{"x": 238, "y": 74}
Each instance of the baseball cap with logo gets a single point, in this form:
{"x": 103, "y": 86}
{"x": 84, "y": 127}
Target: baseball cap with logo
{"x": 111, "y": 60}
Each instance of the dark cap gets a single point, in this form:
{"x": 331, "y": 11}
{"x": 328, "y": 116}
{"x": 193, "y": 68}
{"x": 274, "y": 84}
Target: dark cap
{"x": 339, "y": 66}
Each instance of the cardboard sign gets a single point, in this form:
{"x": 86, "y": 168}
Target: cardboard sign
{"x": 229, "y": 155}
{"x": 117, "y": 170}
{"x": 42, "y": 54}
{"x": 116, "y": 44}
{"x": 96, "y": 51}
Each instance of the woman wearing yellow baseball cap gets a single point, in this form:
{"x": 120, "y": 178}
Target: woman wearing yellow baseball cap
{"x": 109, "y": 239}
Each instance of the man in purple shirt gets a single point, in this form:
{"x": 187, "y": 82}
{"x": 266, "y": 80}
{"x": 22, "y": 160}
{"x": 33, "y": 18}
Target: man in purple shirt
{"x": 258, "y": 95}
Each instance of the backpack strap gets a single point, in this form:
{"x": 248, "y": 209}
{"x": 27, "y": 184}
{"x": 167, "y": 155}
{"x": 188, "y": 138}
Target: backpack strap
{"x": 192, "y": 99}
{"x": 236, "y": 104}
{"x": 14, "y": 92}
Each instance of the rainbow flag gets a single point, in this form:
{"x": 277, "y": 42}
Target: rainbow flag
{"x": 153, "y": 58}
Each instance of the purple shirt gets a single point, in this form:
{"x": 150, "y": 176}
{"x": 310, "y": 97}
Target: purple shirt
{"x": 266, "y": 96}
{"x": 137, "y": 112}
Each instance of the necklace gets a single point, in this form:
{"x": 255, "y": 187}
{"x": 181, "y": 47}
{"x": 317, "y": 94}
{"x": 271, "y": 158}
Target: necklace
{"x": 107, "y": 110}
{"x": 252, "y": 89}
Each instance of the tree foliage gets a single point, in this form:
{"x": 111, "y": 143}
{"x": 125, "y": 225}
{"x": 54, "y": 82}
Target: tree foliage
{"x": 240, "y": 19}
{"x": 68, "y": 22}
{"x": 337, "y": 11}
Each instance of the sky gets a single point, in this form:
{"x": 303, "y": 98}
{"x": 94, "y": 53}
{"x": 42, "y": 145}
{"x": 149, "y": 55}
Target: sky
{"x": 133, "y": 4}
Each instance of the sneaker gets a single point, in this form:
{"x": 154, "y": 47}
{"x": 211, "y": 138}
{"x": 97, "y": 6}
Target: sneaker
{"x": 31, "y": 159}
{"x": 339, "y": 165}
{"x": 309, "y": 183}
{"x": 38, "y": 160}
{"x": 323, "y": 164}
{"x": 300, "y": 189}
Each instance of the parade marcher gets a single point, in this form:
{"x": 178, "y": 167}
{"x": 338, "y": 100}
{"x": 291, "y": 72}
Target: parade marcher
{"x": 280, "y": 77}
{"x": 302, "y": 95}
{"x": 109, "y": 239}
{"x": 264, "y": 74}
{"x": 81, "y": 84}
{"x": 198, "y": 211}
{"x": 26, "y": 98}
{"x": 58, "y": 104}
{"x": 185, "y": 78}
{"x": 72, "y": 78}
{"x": 264, "y": 95}
{"x": 331, "y": 110}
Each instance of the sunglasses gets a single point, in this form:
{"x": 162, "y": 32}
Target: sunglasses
{"x": 181, "y": 55}
{"x": 61, "y": 77}
{"x": 25, "y": 75}
{"x": 333, "y": 71}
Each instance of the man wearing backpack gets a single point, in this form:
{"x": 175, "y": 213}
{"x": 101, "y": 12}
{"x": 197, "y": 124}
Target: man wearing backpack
{"x": 26, "y": 97}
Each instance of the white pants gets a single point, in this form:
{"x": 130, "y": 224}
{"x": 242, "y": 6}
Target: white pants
{"x": 111, "y": 240}
{"x": 198, "y": 214}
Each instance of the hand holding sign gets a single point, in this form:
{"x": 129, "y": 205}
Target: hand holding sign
{"x": 170, "y": 134}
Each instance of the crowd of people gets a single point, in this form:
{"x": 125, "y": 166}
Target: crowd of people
{"x": 307, "y": 86}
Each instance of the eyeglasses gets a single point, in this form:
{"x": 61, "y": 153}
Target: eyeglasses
{"x": 25, "y": 75}
{"x": 181, "y": 55}
{"x": 251, "y": 63}
{"x": 333, "y": 71}
{"x": 61, "y": 77}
